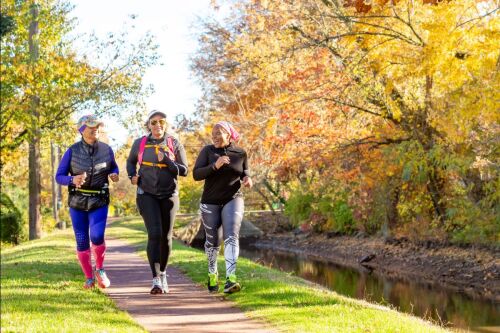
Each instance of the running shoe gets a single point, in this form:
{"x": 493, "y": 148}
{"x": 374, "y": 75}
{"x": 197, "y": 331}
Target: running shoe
{"x": 212, "y": 284}
{"x": 164, "y": 283}
{"x": 89, "y": 283}
{"x": 231, "y": 285}
{"x": 102, "y": 278}
{"x": 156, "y": 288}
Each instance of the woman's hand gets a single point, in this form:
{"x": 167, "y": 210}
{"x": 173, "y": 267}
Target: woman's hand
{"x": 221, "y": 161}
{"x": 79, "y": 180}
{"x": 247, "y": 182}
{"x": 134, "y": 180}
{"x": 114, "y": 177}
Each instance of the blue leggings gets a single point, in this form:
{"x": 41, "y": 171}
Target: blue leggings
{"x": 94, "y": 220}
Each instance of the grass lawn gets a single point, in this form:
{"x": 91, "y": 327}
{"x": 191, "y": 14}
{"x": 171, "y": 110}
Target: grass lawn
{"x": 287, "y": 302}
{"x": 41, "y": 291}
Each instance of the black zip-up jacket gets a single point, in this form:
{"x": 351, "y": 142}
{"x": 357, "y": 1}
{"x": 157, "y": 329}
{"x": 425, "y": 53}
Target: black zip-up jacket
{"x": 161, "y": 182}
{"x": 221, "y": 185}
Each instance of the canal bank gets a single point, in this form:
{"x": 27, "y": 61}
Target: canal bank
{"x": 426, "y": 300}
{"x": 470, "y": 270}
{"x": 412, "y": 278}
{"x": 457, "y": 286}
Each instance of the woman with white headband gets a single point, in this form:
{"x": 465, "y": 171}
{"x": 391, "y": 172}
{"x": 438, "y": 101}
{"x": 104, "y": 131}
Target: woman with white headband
{"x": 154, "y": 163}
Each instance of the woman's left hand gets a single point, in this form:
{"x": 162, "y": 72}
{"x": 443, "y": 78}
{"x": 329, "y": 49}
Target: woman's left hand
{"x": 247, "y": 182}
{"x": 114, "y": 177}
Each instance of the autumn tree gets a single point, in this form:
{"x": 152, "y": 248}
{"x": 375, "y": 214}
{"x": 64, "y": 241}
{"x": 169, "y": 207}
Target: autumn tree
{"x": 394, "y": 105}
{"x": 39, "y": 97}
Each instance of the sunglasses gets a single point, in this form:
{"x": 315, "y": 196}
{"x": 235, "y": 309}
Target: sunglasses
{"x": 155, "y": 122}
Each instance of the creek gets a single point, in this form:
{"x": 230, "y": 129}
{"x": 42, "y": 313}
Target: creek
{"x": 438, "y": 304}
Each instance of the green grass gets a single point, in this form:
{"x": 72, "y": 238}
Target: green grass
{"x": 287, "y": 302}
{"x": 41, "y": 291}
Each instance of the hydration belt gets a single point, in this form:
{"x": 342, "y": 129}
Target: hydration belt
{"x": 102, "y": 192}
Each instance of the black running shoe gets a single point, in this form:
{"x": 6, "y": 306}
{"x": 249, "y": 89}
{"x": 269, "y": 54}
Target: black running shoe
{"x": 231, "y": 285}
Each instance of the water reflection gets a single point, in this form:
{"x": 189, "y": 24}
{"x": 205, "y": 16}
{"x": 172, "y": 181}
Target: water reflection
{"x": 447, "y": 307}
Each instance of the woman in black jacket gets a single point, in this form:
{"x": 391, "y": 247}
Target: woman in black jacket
{"x": 224, "y": 167}
{"x": 161, "y": 158}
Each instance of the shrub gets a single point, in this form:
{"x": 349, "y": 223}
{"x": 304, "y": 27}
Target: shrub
{"x": 338, "y": 214}
{"x": 121, "y": 208}
{"x": 190, "y": 195}
{"x": 299, "y": 207}
{"x": 11, "y": 221}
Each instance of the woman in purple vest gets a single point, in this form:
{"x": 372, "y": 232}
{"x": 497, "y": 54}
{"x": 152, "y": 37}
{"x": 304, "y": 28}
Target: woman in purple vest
{"x": 85, "y": 168}
{"x": 161, "y": 159}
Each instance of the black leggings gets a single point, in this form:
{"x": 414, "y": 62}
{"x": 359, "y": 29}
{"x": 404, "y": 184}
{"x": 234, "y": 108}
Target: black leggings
{"x": 159, "y": 217}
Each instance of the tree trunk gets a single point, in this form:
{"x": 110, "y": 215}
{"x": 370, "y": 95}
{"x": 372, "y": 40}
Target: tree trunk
{"x": 436, "y": 189}
{"x": 53, "y": 157}
{"x": 273, "y": 191}
{"x": 35, "y": 217}
{"x": 392, "y": 214}
{"x": 266, "y": 199}
{"x": 59, "y": 189}
{"x": 393, "y": 201}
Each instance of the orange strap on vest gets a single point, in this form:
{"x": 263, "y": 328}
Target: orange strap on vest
{"x": 158, "y": 165}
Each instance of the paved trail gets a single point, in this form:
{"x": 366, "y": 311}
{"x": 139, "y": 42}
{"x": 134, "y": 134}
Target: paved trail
{"x": 187, "y": 308}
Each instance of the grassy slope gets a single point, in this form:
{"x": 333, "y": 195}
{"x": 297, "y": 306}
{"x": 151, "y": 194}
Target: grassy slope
{"x": 287, "y": 302}
{"x": 41, "y": 291}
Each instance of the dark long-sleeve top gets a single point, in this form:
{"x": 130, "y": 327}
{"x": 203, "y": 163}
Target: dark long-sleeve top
{"x": 223, "y": 184}
{"x": 62, "y": 174}
{"x": 161, "y": 182}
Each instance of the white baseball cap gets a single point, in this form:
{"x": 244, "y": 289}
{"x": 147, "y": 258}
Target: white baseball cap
{"x": 155, "y": 112}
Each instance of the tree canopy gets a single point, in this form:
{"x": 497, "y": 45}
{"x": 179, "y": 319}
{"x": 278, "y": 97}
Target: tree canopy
{"x": 391, "y": 108}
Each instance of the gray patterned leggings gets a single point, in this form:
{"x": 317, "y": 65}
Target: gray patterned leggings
{"x": 222, "y": 221}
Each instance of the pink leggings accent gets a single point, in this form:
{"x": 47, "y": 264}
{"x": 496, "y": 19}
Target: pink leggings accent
{"x": 98, "y": 251}
{"x": 84, "y": 258}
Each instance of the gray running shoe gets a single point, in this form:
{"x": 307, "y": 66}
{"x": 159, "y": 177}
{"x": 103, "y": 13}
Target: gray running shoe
{"x": 156, "y": 288}
{"x": 163, "y": 280}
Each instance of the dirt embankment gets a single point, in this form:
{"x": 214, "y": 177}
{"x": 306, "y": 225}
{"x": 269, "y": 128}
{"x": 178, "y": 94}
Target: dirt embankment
{"x": 471, "y": 270}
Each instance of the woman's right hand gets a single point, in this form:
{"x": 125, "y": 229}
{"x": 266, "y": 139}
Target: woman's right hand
{"x": 79, "y": 180}
{"x": 221, "y": 161}
{"x": 134, "y": 180}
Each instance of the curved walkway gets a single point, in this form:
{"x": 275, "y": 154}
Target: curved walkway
{"x": 187, "y": 308}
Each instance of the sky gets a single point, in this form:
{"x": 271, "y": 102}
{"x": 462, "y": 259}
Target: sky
{"x": 176, "y": 90}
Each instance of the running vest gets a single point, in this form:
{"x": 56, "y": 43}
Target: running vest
{"x": 96, "y": 161}
{"x": 154, "y": 177}
{"x": 143, "y": 145}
